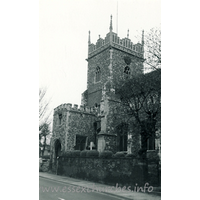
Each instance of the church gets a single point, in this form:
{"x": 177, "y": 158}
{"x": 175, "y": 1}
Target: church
{"x": 91, "y": 125}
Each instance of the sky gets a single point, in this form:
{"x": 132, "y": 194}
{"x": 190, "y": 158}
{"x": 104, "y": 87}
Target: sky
{"x": 60, "y": 22}
{"x": 63, "y": 34}
{"x": 63, "y": 39}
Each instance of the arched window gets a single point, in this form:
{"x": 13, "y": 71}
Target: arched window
{"x": 98, "y": 74}
{"x": 127, "y": 70}
{"x": 122, "y": 135}
{"x": 148, "y": 143}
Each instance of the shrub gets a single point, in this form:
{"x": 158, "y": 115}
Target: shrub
{"x": 113, "y": 156}
{"x": 92, "y": 154}
{"x": 75, "y": 153}
{"x": 46, "y": 157}
{"x": 131, "y": 155}
{"x": 142, "y": 153}
{"x": 67, "y": 154}
{"x": 119, "y": 155}
{"x": 153, "y": 156}
{"x": 106, "y": 154}
{"x": 83, "y": 153}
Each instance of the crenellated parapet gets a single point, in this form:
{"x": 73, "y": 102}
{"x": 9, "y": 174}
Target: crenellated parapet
{"x": 113, "y": 40}
{"x": 75, "y": 108}
{"x": 124, "y": 44}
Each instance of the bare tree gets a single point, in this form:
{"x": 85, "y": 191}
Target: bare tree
{"x": 151, "y": 41}
{"x": 44, "y": 119}
{"x": 44, "y": 112}
{"x": 44, "y": 130}
{"x": 152, "y": 49}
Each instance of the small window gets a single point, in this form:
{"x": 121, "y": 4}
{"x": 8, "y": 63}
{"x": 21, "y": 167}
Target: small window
{"x": 98, "y": 74}
{"x": 60, "y": 119}
{"x": 127, "y": 70}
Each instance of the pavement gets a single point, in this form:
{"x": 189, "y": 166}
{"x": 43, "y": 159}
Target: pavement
{"x": 123, "y": 194}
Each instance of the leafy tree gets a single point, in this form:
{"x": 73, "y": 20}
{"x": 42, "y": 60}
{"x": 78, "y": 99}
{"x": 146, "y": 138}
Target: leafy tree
{"x": 140, "y": 93}
{"x": 140, "y": 97}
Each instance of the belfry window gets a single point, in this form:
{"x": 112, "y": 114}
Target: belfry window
{"x": 98, "y": 74}
{"x": 127, "y": 70}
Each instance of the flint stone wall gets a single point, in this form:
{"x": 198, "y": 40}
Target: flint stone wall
{"x": 121, "y": 171}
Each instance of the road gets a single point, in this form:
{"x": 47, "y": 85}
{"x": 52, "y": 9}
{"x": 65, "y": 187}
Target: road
{"x": 54, "y": 190}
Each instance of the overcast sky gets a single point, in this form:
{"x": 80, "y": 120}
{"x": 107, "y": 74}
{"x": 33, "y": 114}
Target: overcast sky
{"x": 60, "y": 22}
{"x": 63, "y": 39}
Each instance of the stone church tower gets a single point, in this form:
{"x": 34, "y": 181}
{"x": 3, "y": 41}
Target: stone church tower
{"x": 109, "y": 60}
{"x": 90, "y": 125}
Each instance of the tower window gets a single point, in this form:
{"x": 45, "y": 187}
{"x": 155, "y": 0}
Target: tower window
{"x": 98, "y": 74}
{"x": 60, "y": 119}
{"x": 127, "y": 70}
